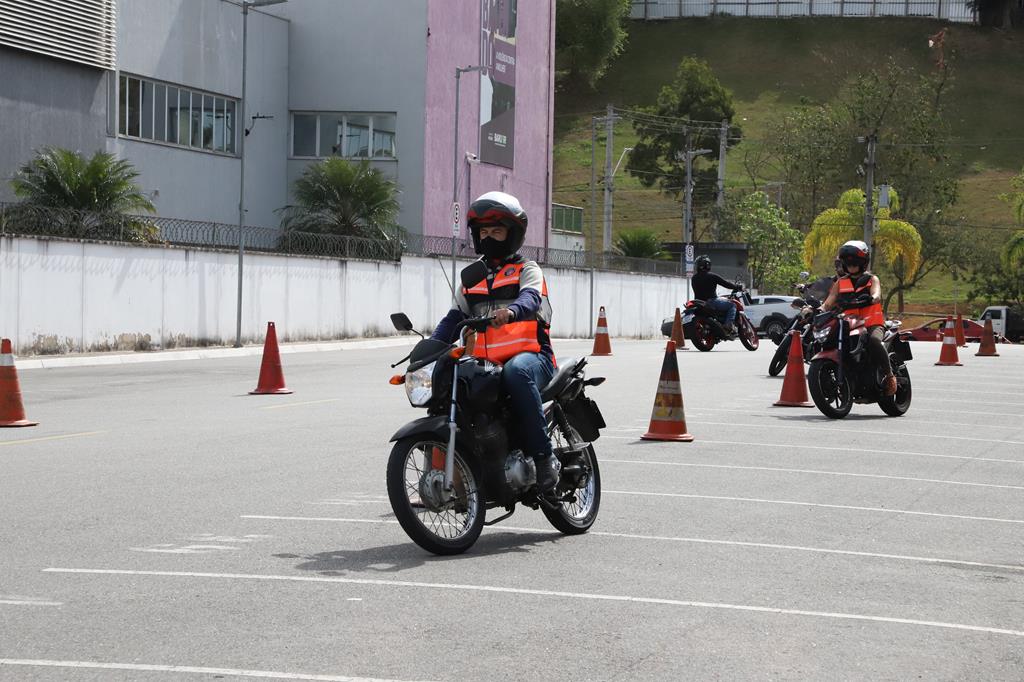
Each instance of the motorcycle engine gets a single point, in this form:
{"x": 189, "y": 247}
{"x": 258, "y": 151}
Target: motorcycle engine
{"x": 520, "y": 471}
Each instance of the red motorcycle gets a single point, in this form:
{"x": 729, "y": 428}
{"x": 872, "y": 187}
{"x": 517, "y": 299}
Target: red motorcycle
{"x": 703, "y": 326}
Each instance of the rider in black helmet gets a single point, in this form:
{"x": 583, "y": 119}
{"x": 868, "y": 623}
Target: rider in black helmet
{"x": 705, "y": 288}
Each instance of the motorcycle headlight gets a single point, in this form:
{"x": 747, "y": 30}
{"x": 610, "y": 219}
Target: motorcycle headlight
{"x": 822, "y": 334}
{"x": 419, "y": 385}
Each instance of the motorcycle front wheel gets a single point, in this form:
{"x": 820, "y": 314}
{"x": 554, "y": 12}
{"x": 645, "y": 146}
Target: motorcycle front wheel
{"x": 831, "y": 396}
{"x": 701, "y": 336}
{"x": 780, "y": 358}
{"x": 442, "y": 524}
{"x": 577, "y": 516}
{"x": 748, "y": 335}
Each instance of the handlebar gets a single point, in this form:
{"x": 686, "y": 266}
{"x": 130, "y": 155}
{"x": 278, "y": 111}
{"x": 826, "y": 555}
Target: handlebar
{"x": 477, "y": 324}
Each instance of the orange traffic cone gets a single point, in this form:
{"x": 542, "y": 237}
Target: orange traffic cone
{"x": 959, "y": 329}
{"x": 271, "y": 374}
{"x": 602, "y": 344}
{"x": 12, "y": 412}
{"x": 948, "y": 356}
{"x": 988, "y": 342}
{"x": 677, "y": 332}
{"x": 667, "y": 419}
{"x": 794, "y": 386}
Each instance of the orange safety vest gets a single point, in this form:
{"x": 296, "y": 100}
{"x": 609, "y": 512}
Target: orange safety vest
{"x": 499, "y": 344}
{"x": 872, "y": 314}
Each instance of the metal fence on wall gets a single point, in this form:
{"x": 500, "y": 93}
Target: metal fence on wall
{"x": 950, "y": 10}
{"x": 23, "y": 219}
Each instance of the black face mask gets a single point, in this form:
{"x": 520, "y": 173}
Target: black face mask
{"x": 492, "y": 248}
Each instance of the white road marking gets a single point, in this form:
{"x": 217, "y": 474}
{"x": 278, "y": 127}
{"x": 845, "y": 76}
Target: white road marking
{"x": 310, "y": 518}
{"x": 916, "y": 408}
{"x": 17, "y": 600}
{"x": 140, "y": 667}
{"x": 308, "y": 402}
{"x": 183, "y": 549}
{"x": 496, "y": 589}
{"x": 705, "y": 541}
{"x": 819, "y": 472}
{"x": 823, "y": 427}
{"x": 42, "y": 439}
{"x": 701, "y": 410}
{"x": 882, "y": 510}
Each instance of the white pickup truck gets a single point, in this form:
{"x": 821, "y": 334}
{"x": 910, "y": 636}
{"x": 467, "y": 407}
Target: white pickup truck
{"x": 1006, "y": 321}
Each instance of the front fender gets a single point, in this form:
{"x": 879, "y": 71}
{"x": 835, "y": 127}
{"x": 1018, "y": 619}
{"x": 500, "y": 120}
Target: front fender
{"x": 830, "y": 354}
{"x": 436, "y": 425}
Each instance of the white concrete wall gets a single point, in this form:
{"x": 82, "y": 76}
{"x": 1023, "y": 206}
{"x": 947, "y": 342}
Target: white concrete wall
{"x": 59, "y": 296}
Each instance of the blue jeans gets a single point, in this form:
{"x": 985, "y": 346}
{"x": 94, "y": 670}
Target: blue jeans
{"x": 524, "y": 376}
{"x": 723, "y": 305}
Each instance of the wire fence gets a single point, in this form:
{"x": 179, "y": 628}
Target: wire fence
{"x": 29, "y": 220}
{"x": 950, "y": 10}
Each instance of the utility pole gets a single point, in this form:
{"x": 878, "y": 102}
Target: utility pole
{"x": 869, "y": 195}
{"x": 609, "y": 132}
{"x": 593, "y": 214}
{"x": 723, "y": 143}
{"x": 690, "y": 154}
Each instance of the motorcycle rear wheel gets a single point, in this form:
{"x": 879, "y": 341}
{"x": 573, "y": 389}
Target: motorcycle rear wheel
{"x": 780, "y": 358}
{"x": 700, "y": 335}
{"x": 832, "y": 399}
{"x": 449, "y": 530}
{"x": 747, "y": 333}
{"x": 897, "y": 405}
{"x": 576, "y": 518}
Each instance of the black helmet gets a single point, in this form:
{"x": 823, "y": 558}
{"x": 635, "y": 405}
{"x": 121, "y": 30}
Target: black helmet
{"x": 703, "y": 263}
{"x": 854, "y": 252}
{"x": 498, "y": 208}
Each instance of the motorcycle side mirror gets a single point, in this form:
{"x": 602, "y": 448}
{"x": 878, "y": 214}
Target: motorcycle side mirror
{"x": 473, "y": 274}
{"x": 402, "y": 322}
{"x": 804, "y": 275}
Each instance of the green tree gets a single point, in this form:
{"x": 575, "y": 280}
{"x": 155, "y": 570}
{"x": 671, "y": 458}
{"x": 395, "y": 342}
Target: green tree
{"x": 1016, "y": 197}
{"x": 638, "y": 243}
{"x": 773, "y": 247}
{"x": 1012, "y": 255}
{"x": 66, "y": 194}
{"x": 686, "y": 116}
{"x": 589, "y": 34}
{"x": 335, "y": 196}
{"x": 993, "y": 12}
{"x": 896, "y": 241}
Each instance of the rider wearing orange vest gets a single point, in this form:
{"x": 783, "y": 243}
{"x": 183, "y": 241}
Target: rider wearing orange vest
{"x": 515, "y": 294}
{"x": 861, "y": 285}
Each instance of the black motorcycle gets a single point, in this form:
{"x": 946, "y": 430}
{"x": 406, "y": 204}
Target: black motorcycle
{"x": 842, "y": 373}
{"x": 465, "y": 457}
{"x": 703, "y": 326}
{"x": 807, "y": 307}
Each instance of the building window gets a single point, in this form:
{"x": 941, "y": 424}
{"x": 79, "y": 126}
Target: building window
{"x": 159, "y": 112}
{"x": 318, "y": 135}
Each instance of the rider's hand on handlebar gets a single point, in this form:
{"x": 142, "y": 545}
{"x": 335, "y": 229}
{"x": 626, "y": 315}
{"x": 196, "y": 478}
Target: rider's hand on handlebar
{"x": 502, "y": 317}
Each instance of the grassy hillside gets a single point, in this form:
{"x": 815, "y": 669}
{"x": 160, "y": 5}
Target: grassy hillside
{"x": 774, "y": 65}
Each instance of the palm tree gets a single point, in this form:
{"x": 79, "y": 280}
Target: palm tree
{"x": 336, "y": 196}
{"x": 66, "y": 194}
{"x": 638, "y": 243}
{"x": 897, "y": 241}
{"x": 1013, "y": 252}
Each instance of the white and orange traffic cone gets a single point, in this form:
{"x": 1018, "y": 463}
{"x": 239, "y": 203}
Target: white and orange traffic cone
{"x": 948, "y": 357}
{"x": 668, "y": 422}
{"x": 12, "y": 412}
{"x": 961, "y": 340}
{"x": 602, "y": 342}
{"x": 794, "y": 386}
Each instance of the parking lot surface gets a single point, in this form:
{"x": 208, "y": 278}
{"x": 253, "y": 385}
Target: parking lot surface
{"x": 161, "y": 523}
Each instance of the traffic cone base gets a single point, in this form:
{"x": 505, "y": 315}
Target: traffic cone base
{"x": 794, "y": 386}
{"x": 677, "y": 332}
{"x": 668, "y": 421}
{"x": 988, "y": 342}
{"x": 12, "y": 412}
{"x": 948, "y": 356}
{"x": 602, "y": 343}
{"x": 271, "y": 380}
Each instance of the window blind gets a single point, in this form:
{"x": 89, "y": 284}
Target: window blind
{"x": 83, "y": 31}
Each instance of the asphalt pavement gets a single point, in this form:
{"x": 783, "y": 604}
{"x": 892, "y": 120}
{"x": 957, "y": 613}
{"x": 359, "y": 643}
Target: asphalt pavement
{"x": 162, "y": 524}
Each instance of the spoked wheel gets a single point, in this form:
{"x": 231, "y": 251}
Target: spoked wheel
{"x": 701, "y": 335}
{"x": 897, "y": 405}
{"x": 576, "y": 516}
{"x": 439, "y": 521}
{"x": 748, "y": 335}
{"x": 830, "y": 396}
{"x": 780, "y": 358}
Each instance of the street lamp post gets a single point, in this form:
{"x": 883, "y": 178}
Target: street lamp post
{"x": 691, "y": 154}
{"x": 455, "y": 166}
{"x": 246, "y": 4}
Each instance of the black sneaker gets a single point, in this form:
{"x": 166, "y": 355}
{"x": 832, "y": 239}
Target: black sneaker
{"x": 548, "y": 467}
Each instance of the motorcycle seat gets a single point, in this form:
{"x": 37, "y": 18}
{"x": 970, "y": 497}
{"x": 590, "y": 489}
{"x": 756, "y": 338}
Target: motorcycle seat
{"x": 560, "y": 380}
